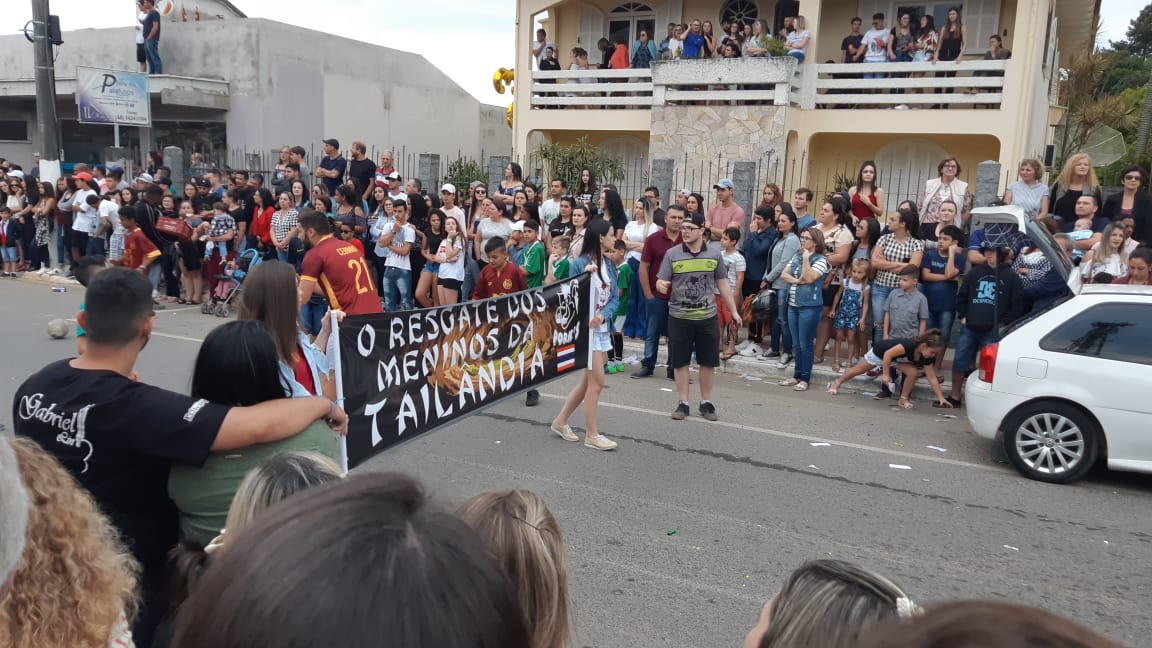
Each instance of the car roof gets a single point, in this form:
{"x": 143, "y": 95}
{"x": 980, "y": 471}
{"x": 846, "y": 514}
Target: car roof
{"x": 1116, "y": 289}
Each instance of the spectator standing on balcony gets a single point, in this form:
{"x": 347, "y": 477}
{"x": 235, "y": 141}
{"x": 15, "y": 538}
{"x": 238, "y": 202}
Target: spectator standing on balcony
{"x": 332, "y": 167}
{"x": 676, "y": 43}
{"x": 1028, "y": 193}
{"x": 953, "y": 40}
{"x": 901, "y": 43}
{"x": 725, "y": 213}
{"x": 141, "y": 57}
{"x": 643, "y": 51}
{"x": 150, "y": 27}
{"x": 694, "y": 42}
{"x": 539, "y": 45}
{"x": 852, "y": 47}
{"x": 735, "y": 34}
{"x": 866, "y": 198}
{"x": 662, "y": 50}
{"x": 788, "y": 28}
{"x": 797, "y": 41}
{"x": 936, "y": 190}
{"x": 876, "y": 45}
{"x": 620, "y": 59}
{"x": 709, "y": 35}
{"x": 758, "y": 44}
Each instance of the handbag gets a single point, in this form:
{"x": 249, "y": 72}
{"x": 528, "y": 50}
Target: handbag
{"x": 174, "y": 228}
{"x": 764, "y": 306}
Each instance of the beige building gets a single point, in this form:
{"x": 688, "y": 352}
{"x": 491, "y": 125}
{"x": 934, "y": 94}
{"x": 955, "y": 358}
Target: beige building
{"x": 815, "y": 121}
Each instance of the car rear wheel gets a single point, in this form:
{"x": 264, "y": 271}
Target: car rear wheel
{"x": 1051, "y": 441}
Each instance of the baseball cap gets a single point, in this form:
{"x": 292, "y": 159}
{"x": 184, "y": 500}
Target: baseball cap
{"x": 518, "y": 226}
{"x": 145, "y": 177}
{"x": 333, "y": 142}
{"x": 696, "y": 218}
{"x": 723, "y": 183}
{"x": 393, "y": 176}
{"x": 448, "y": 188}
{"x": 16, "y": 173}
{"x": 83, "y": 175}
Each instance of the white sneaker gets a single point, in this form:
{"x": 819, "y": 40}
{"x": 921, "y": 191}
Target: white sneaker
{"x": 785, "y": 360}
{"x": 751, "y": 350}
{"x": 54, "y": 271}
{"x": 901, "y": 107}
{"x": 743, "y": 345}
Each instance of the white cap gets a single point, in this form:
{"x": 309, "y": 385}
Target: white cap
{"x": 450, "y": 188}
{"x": 518, "y": 226}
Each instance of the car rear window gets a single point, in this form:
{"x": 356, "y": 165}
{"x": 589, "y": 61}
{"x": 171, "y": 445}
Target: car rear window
{"x": 1112, "y": 331}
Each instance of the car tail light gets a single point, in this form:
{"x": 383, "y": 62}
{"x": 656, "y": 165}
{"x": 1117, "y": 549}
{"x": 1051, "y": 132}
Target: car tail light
{"x": 988, "y": 362}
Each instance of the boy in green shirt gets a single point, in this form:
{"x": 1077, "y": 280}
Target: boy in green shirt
{"x": 558, "y": 261}
{"x": 532, "y": 259}
{"x": 624, "y": 285}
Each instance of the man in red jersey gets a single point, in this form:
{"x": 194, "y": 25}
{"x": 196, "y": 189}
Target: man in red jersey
{"x": 338, "y": 267}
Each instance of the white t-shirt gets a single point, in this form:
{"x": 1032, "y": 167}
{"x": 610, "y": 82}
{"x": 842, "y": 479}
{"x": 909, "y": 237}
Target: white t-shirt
{"x": 638, "y": 233}
{"x": 734, "y": 263}
{"x": 85, "y": 219}
{"x": 110, "y": 211}
{"x": 549, "y": 209}
{"x": 452, "y": 269}
{"x": 876, "y": 42}
{"x": 400, "y": 196}
{"x": 406, "y": 234}
{"x": 140, "y": 16}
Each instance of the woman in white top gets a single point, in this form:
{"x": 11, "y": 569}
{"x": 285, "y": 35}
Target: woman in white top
{"x": 450, "y": 256}
{"x": 797, "y": 41}
{"x": 1108, "y": 255}
{"x": 492, "y": 223}
{"x": 1028, "y": 193}
{"x": 580, "y": 222}
{"x": 635, "y": 233}
{"x": 936, "y": 190}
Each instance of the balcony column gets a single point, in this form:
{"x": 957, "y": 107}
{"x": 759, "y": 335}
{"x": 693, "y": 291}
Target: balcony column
{"x": 811, "y": 10}
{"x": 522, "y": 90}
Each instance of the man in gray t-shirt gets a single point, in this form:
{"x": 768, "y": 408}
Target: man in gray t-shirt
{"x": 692, "y": 274}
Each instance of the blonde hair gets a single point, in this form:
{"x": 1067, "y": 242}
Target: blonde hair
{"x": 1065, "y": 177}
{"x": 518, "y": 527}
{"x": 798, "y": 23}
{"x": 75, "y": 578}
{"x": 274, "y": 479}
{"x": 13, "y": 512}
{"x": 1036, "y": 166}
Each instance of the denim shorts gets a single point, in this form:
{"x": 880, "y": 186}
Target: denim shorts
{"x": 601, "y": 341}
{"x": 967, "y": 346}
{"x": 434, "y": 268}
{"x": 10, "y": 254}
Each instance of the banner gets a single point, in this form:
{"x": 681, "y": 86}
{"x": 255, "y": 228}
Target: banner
{"x": 112, "y": 97}
{"x": 404, "y": 374}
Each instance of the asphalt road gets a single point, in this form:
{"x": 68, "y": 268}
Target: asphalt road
{"x": 680, "y": 536}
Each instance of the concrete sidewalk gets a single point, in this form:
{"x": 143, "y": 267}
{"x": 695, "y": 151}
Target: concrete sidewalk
{"x": 757, "y": 370}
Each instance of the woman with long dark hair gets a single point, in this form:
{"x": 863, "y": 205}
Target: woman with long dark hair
{"x": 43, "y": 215}
{"x": 598, "y": 234}
{"x": 614, "y": 211}
{"x": 562, "y": 224}
{"x": 512, "y": 184}
{"x": 430, "y": 239}
{"x": 586, "y": 188}
{"x": 866, "y": 198}
{"x": 237, "y": 365}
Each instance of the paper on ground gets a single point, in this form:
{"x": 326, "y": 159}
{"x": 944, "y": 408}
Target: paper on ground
{"x": 900, "y": 466}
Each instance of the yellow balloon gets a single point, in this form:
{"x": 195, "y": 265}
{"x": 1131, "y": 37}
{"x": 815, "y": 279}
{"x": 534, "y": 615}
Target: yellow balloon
{"x": 509, "y": 115}
{"x": 509, "y": 75}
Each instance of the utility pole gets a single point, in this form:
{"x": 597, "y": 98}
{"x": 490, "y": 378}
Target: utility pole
{"x": 49, "y": 128}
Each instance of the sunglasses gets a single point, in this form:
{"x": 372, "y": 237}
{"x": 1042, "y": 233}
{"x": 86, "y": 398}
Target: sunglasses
{"x": 344, "y": 231}
{"x": 1131, "y": 177}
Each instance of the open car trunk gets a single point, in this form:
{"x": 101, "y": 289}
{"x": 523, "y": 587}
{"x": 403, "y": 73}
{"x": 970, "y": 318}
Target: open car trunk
{"x": 1037, "y": 234}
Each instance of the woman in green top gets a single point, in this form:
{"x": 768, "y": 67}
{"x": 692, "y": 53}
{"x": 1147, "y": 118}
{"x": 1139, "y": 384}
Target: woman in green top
{"x": 237, "y": 365}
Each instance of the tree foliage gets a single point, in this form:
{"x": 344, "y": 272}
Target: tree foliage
{"x": 463, "y": 171}
{"x": 566, "y": 161}
{"x": 1089, "y": 106}
{"x": 1125, "y": 71}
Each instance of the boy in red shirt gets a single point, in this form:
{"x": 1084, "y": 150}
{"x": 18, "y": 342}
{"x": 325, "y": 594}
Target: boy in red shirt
{"x": 348, "y": 235}
{"x": 139, "y": 252}
{"x": 498, "y": 277}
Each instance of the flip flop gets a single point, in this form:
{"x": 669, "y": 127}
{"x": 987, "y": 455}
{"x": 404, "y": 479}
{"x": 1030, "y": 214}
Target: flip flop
{"x": 726, "y": 355}
{"x": 833, "y": 390}
{"x": 905, "y": 404}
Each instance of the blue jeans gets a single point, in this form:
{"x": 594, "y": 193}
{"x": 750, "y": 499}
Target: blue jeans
{"x": 802, "y": 322}
{"x": 95, "y": 247}
{"x": 879, "y": 299}
{"x": 657, "y": 326}
{"x": 312, "y": 314}
{"x": 152, "y": 55}
{"x": 942, "y": 320}
{"x": 968, "y": 346}
{"x": 397, "y": 288}
{"x": 780, "y": 332}
{"x": 471, "y": 273}
{"x": 798, "y": 55}
{"x": 62, "y": 254}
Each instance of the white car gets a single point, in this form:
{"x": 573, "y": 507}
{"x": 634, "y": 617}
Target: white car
{"x": 1071, "y": 385}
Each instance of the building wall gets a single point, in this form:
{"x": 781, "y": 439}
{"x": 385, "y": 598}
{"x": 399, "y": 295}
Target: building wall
{"x": 724, "y": 133}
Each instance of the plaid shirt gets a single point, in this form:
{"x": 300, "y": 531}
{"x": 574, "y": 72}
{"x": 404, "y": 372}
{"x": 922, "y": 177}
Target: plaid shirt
{"x": 283, "y": 222}
{"x": 221, "y": 223}
{"x": 896, "y": 251}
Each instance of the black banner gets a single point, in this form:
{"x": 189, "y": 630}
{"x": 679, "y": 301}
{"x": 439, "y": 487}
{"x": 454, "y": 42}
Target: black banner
{"x": 404, "y": 374}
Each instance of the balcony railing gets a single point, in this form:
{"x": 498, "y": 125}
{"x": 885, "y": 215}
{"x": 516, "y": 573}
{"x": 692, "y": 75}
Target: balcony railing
{"x": 920, "y": 85}
{"x": 742, "y": 81}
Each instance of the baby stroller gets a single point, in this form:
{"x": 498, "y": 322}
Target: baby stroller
{"x": 229, "y": 284}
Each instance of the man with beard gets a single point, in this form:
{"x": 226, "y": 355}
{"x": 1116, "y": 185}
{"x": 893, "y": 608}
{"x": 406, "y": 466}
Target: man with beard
{"x": 337, "y": 267}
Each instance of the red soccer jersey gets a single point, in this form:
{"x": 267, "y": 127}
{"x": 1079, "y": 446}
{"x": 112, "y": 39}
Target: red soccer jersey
{"x": 509, "y": 279}
{"x": 342, "y": 273}
{"x": 138, "y": 250}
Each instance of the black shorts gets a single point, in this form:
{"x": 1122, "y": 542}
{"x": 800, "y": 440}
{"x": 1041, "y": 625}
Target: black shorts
{"x": 450, "y": 284}
{"x": 829, "y": 294}
{"x": 686, "y": 337}
{"x": 140, "y": 58}
{"x": 191, "y": 255}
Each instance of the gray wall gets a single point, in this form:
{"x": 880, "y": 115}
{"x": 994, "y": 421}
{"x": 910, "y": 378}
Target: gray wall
{"x": 296, "y": 86}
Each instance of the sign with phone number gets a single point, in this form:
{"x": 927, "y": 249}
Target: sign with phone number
{"x": 112, "y": 97}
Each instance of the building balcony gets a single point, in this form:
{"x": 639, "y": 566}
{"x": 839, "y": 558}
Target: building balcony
{"x": 929, "y": 86}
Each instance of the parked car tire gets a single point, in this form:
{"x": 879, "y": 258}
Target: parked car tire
{"x": 1051, "y": 441}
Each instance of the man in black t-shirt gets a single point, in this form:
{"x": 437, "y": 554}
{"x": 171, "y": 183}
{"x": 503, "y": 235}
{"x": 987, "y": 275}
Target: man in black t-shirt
{"x": 118, "y": 436}
{"x": 362, "y": 170}
{"x": 332, "y": 166}
{"x": 233, "y": 201}
{"x": 852, "y": 47}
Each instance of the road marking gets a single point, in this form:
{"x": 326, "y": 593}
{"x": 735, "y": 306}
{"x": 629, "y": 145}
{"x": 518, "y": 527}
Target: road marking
{"x": 177, "y": 337}
{"x": 804, "y": 437}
